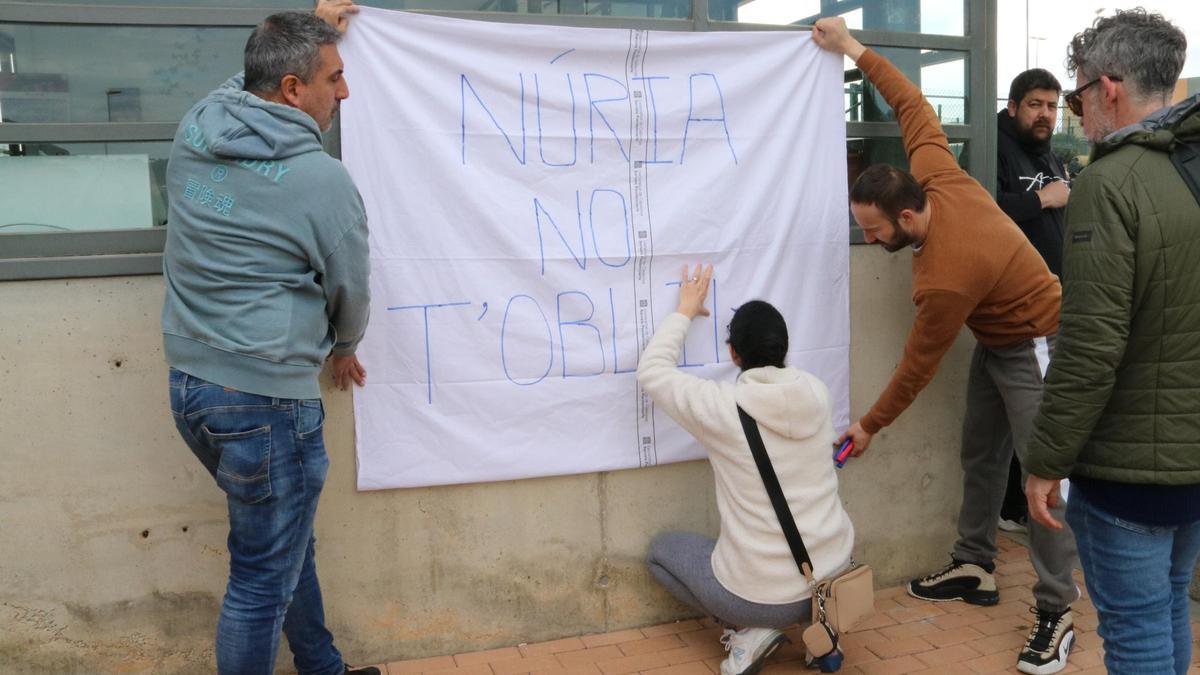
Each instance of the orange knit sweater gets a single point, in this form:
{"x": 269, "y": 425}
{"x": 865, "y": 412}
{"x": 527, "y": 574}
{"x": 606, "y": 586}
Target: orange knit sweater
{"x": 975, "y": 267}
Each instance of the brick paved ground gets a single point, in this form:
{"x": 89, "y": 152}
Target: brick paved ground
{"x": 906, "y": 635}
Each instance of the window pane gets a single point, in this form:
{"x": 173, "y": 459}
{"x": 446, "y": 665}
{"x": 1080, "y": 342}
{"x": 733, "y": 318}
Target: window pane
{"x": 52, "y": 73}
{"x": 863, "y": 152}
{"x": 251, "y": 4}
{"x": 943, "y": 17}
{"x": 941, "y": 75}
{"x": 83, "y": 186}
{"x": 669, "y": 9}
{"x": 633, "y": 8}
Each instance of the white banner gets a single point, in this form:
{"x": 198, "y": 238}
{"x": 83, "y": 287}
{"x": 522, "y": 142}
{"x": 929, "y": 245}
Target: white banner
{"x": 533, "y": 195}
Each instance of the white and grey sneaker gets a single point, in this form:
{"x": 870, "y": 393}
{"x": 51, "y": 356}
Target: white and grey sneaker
{"x": 748, "y": 649}
{"x": 957, "y": 581}
{"x": 1014, "y": 524}
{"x": 1049, "y": 643}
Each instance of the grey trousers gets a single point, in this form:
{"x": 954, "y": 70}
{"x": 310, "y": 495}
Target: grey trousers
{"x": 1004, "y": 390}
{"x": 682, "y": 563}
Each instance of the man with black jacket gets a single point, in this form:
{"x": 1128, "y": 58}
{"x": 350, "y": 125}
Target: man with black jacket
{"x": 1031, "y": 183}
{"x": 1031, "y": 188}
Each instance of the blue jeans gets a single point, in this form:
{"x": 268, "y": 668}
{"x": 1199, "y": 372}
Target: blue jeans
{"x": 1138, "y": 578}
{"x": 268, "y": 456}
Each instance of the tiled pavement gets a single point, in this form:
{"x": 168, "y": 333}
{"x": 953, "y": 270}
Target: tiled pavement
{"x": 905, "y": 636}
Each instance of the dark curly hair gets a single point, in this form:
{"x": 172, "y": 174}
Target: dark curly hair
{"x": 890, "y": 189}
{"x": 1034, "y": 78}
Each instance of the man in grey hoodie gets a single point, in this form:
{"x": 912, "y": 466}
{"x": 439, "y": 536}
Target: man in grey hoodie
{"x": 266, "y": 276}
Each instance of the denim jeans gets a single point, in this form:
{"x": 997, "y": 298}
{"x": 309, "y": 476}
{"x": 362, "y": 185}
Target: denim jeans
{"x": 268, "y": 456}
{"x": 1138, "y": 578}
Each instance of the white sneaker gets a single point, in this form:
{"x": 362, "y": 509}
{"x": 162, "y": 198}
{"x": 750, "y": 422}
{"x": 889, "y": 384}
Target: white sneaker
{"x": 748, "y": 649}
{"x": 1013, "y": 525}
{"x": 727, "y": 635}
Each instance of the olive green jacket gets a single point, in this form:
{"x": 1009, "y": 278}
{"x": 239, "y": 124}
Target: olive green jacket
{"x": 1122, "y": 396}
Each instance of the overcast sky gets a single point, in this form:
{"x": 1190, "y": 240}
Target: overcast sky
{"x": 1055, "y": 23}
{"x": 1058, "y": 22}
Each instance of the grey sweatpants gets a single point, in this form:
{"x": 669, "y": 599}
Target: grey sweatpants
{"x": 682, "y": 562}
{"x": 1004, "y": 390}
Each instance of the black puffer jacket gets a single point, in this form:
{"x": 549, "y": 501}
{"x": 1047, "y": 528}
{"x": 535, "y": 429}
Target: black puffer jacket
{"x": 1019, "y": 175}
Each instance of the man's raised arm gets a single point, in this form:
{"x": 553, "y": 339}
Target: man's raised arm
{"x": 924, "y": 141}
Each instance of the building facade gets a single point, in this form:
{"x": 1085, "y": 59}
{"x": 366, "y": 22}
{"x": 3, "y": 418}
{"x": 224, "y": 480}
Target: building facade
{"x": 112, "y": 537}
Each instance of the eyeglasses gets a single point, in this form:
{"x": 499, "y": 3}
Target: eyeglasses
{"x": 1074, "y": 99}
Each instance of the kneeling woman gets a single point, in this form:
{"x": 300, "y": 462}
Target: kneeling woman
{"x": 746, "y": 578}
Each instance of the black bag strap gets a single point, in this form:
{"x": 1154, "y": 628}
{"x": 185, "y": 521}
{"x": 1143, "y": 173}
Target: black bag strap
{"x": 775, "y": 492}
{"x": 1186, "y": 158}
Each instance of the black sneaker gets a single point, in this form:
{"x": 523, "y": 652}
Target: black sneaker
{"x": 365, "y": 670}
{"x": 957, "y": 581}
{"x": 1049, "y": 643}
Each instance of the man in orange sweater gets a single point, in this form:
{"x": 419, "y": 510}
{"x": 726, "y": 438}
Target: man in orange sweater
{"x": 970, "y": 265}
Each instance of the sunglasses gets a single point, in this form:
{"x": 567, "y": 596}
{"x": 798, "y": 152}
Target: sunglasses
{"x": 1074, "y": 99}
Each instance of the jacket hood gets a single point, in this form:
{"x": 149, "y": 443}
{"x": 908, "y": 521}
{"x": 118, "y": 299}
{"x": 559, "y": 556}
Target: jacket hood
{"x": 784, "y": 400}
{"x": 1007, "y": 126}
{"x": 240, "y": 125}
{"x": 1158, "y": 130}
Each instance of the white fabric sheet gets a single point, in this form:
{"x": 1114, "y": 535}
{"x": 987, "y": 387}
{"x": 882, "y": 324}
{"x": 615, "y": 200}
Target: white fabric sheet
{"x": 533, "y": 194}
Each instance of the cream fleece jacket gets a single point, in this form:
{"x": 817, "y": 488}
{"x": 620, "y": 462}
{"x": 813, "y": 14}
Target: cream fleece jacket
{"x": 752, "y": 559}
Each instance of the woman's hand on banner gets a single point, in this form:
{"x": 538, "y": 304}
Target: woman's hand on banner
{"x": 693, "y": 290}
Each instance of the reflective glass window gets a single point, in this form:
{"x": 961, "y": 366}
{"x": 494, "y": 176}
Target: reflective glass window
{"x": 942, "y": 17}
{"x": 863, "y": 152}
{"x": 668, "y": 9}
{"x": 83, "y": 186}
{"x": 251, "y": 4}
{"x": 941, "y": 75}
{"x": 60, "y": 73}
{"x": 680, "y": 9}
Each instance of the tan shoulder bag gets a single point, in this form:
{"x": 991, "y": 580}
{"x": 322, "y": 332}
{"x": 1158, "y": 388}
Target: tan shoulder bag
{"x": 839, "y": 602}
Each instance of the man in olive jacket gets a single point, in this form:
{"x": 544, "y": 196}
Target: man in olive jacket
{"x": 1120, "y": 413}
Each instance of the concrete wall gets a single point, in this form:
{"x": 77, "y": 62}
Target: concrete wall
{"x": 112, "y": 555}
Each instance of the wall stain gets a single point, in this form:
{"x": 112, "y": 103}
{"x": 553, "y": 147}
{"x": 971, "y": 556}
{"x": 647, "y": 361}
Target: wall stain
{"x": 111, "y": 638}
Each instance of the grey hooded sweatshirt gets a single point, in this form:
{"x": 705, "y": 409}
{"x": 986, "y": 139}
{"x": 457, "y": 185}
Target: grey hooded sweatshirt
{"x": 266, "y": 254}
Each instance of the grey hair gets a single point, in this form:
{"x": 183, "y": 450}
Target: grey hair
{"x": 1144, "y": 49}
{"x": 286, "y": 43}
